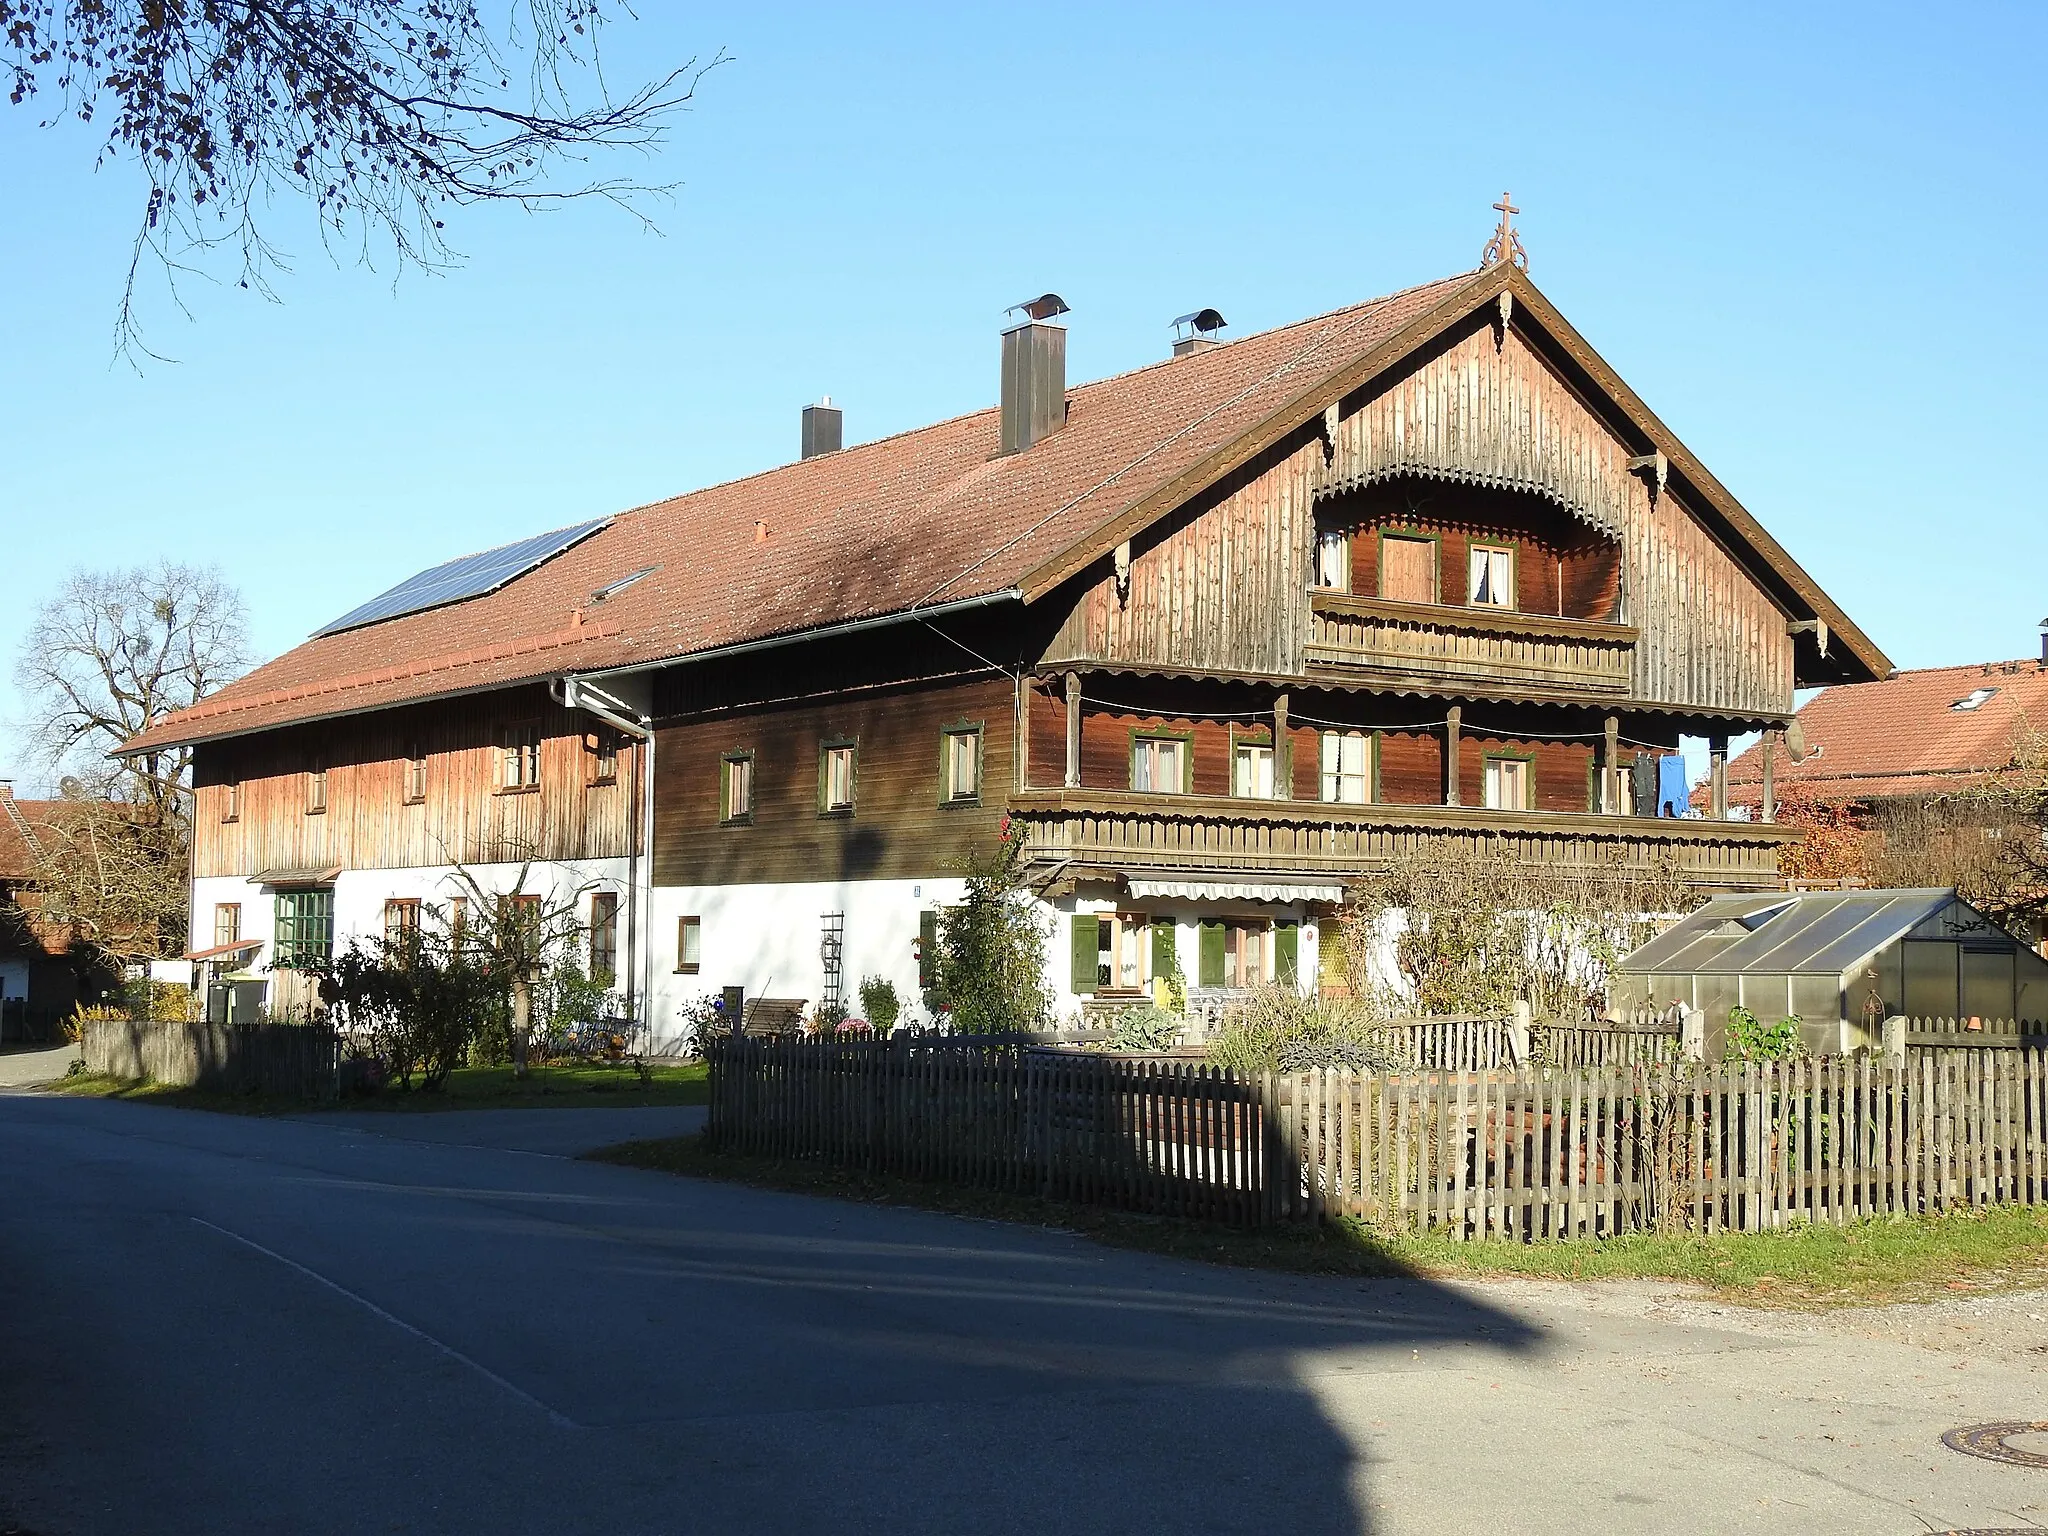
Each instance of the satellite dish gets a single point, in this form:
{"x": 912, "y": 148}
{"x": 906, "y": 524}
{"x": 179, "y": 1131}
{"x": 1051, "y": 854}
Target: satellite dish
{"x": 1795, "y": 741}
{"x": 71, "y": 787}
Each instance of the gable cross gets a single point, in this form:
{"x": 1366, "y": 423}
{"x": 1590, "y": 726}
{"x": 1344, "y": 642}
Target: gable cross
{"x": 1506, "y": 245}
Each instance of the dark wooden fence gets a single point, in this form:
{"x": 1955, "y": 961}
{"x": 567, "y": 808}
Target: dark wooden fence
{"x": 1525, "y": 1153}
{"x": 294, "y": 1059}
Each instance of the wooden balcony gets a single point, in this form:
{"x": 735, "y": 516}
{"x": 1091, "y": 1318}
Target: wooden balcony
{"x": 1141, "y": 833}
{"x": 1361, "y": 637}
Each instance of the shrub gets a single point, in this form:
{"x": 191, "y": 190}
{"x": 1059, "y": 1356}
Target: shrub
{"x": 413, "y": 1003}
{"x": 1276, "y": 1029}
{"x": 1145, "y": 1027}
{"x": 991, "y": 959}
{"x": 878, "y": 1000}
{"x": 1750, "y": 1039}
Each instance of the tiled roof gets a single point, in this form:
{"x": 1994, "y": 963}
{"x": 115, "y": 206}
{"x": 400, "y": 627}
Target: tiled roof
{"x": 19, "y": 820}
{"x": 1903, "y": 736}
{"x": 926, "y": 517}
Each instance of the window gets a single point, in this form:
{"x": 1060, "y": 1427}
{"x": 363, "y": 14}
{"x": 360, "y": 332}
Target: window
{"x": 835, "y": 778}
{"x": 1508, "y": 782}
{"x": 1123, "y": 945}
{"x": 689, "y": 945}
{"x": 1237, "y": 954}
{"x": 415, "y": 774}
{"x": 1333, "y": 561}
{"x": 604, "y": 756}
{"x": 1347, "y": 767}
{"x": 316, "y": 789}
{"x": 1160, "y": 764}
{"x": 305, "y": 928}
{"x": 227, "y": 922}
{"x": 519, "y": 757}
{"x": 736, "y": 794}
{"x": 604, "y": 936}
{"x": 1493, "y": 576}
{"x": 1251, "y": 771}
{"x": 961, "y": 763}
{"x": 401, "y": 920}
{"x": 231, "y": 801}
{"x": 519, "y": 925}
{"x": 458, "y": 919}
{"x": 1974, "y": 700}
{"x": 1407, "y": 568}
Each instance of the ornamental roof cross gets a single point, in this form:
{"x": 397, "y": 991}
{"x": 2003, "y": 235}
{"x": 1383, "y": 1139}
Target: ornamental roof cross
{"x": 1506, "y": 244}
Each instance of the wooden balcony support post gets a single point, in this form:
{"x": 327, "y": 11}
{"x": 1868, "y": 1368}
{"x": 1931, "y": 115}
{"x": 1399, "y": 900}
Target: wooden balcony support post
{"x": 1717, "y": 776}
{"x": 1073, "y": 778}
{"x": 1610, "y": 768}
{"x": 1454, "y": 724}
{"x": 1770, "y": 792}
{"x": 1283, "y": 752}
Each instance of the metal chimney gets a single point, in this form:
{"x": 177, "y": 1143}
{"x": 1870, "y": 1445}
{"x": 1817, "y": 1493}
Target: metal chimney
{"x": 2044, "y": 642}
{"x": 1034, "y": 373}
{"x": 823, "y": 424}
{"x": 1197, "y": 331}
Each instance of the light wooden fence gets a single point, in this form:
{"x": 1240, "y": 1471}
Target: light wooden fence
{"x": 1528, "y": 1153}
{"x": 296, "y": 1059}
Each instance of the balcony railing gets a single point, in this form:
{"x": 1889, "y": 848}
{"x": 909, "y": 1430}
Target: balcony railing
{"x": 1437, "y": 643}
{"x": 1133, "y": 832}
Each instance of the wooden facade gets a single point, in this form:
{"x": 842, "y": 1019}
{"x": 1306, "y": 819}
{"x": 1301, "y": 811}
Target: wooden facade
{"x": 255, "y": 797}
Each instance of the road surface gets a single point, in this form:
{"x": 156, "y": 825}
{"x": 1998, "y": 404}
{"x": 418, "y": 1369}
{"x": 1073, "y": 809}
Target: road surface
{"x": 388, "y": 1324}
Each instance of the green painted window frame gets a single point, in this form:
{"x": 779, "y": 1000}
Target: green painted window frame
{"x": 1286, "y": 952}
{"x": 1084, "y": 950}
{"x": 1508, "y": 755}
{"x": 726, "y": 815}
{"x": 851, "y": 746}
{"x": 979, "y": 730}
{"x": 303, "y": 928}
{"x": 1513, "y": 548}
{"x": 1187, "y": 759}
{"x": 1380, "y": 572}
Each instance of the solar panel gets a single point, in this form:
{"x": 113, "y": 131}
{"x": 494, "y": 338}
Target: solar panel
{"x": 458, "y": 580}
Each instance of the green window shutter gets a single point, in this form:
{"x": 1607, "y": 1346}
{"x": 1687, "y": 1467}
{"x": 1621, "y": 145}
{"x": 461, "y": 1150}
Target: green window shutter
{"x": 927, "y": 950}
{"x": 1165, "y": 947}
{"x": 1287, "y": 954}
{"x": 1211, "y": 974}
{"x": 1087, "y": 946}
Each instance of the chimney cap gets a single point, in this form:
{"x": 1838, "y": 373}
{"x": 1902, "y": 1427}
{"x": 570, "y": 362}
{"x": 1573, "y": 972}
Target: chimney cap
{"x": 1045, "y": 307}
{"x": 1199, "y": 322}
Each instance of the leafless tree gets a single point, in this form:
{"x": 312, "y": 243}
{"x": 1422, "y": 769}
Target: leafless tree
{"x": 112, "y": 653}
{"x": 383, "y": 114}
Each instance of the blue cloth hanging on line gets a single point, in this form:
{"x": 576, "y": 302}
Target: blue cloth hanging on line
{"x": 1673, "y": 794}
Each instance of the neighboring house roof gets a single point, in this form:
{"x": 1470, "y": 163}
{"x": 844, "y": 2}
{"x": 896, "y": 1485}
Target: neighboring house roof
{"x": 19, "y": 820}
{"x": 926, "y": 518}
{"x": 1907, "y": 735}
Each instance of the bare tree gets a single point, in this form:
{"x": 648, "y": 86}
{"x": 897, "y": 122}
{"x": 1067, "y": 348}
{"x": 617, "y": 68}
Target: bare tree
{"x": 111, "y": 654}
{"x": 382, "y": 114}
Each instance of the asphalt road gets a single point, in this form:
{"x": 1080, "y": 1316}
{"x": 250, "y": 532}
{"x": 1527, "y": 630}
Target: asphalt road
{"x": 219, "y": 1324}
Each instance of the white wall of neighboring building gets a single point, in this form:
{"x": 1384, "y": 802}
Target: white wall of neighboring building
{"x": 767, "y": 938}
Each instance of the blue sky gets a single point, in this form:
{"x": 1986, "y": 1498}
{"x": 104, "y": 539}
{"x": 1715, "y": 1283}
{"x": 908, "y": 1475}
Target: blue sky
{"x": 1808, "y": 236}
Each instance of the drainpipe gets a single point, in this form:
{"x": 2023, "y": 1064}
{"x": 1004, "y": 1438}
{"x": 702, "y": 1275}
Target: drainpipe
{"x": 578, "y": 693}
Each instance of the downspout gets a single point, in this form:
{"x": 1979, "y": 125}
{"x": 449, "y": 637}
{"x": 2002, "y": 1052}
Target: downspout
{"x": 576, "y": 693}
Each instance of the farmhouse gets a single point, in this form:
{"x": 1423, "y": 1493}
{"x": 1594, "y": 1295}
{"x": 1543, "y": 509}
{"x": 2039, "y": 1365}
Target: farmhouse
{"x": 1210, "y": 637}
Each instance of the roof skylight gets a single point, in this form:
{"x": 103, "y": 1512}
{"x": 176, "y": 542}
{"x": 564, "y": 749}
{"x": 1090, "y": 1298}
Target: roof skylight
{"x": 1974, "y": 699}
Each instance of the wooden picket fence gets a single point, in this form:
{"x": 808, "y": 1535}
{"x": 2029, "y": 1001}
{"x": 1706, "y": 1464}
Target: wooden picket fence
{"x": 1741, "y": 1146}
{"x": 1522, "y": 1154}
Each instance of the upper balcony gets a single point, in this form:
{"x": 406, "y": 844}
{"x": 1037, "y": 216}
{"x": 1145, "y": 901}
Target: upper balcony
{"x": 1435, "y": 644}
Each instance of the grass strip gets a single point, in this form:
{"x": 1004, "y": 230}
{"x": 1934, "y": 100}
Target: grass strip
{"x": 1916, "y": 1258}
{"x": 572, "y": 1086}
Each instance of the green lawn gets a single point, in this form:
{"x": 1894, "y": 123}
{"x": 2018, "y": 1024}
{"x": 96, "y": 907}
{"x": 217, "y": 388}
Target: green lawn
{"x": 575, "y": 1086}
{"x": 1909, "y": 1259}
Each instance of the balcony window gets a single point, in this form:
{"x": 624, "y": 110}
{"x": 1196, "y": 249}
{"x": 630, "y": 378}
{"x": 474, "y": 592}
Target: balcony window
{"x": 1333, "y": 561}
{"x": 1347, "y": 767}
{"x": 1493, "y": 576}
{"x": 1251, "y": 773}
{"x": 1160, "y": 764}
{"x": 1408, "y": 568}
{"x": 1509, "y": 781}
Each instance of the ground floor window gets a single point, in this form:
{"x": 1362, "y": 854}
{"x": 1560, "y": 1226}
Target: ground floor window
{"x": 227, "y": 923}
{"x": 401, "y": 920}
{"x": 1121, "y": 951}
{"x": 305, "y": 928}
{"x": 604, "y": 936}
{"x": 1249, "y": 952}
{"x": 689, "y": 945}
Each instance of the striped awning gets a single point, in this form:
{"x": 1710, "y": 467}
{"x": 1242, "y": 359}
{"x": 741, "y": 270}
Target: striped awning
{"x": 1237, "y": 890}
